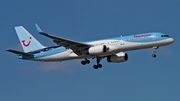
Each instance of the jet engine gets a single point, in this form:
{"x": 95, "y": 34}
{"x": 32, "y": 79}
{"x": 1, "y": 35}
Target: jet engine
{"x": 119, "y": 57}
{"x": 97, "y": 50}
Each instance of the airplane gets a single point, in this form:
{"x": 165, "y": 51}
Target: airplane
{"x": 113, "y": 49}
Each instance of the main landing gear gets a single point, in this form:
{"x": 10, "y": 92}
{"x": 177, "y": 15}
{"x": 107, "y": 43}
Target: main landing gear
{"x": 98, "y": 63}
{"x": 86, "y": 61}
{"x": 154, "y": 51}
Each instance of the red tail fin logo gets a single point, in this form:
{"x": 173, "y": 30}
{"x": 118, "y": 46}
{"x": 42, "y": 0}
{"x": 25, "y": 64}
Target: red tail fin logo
{"x": 26, "y": 45}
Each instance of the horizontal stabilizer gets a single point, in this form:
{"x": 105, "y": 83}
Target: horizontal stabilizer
{"x": 19, "y": 52}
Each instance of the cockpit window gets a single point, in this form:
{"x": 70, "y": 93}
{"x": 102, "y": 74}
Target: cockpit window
{"x": 164, "y": 35}
{"x": 167, "y": 35}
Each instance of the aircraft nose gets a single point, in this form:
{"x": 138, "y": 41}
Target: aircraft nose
{"x": 171, "y": 40}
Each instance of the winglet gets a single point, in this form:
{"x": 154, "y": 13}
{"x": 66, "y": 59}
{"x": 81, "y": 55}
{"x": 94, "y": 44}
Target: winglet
{"x": 38, "y": 28}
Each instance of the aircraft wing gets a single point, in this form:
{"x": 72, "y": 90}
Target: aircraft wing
{"x": 77, "y": 47}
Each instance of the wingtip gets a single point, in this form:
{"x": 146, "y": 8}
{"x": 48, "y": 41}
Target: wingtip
{"x": 18, "y": 27}
{"x": 7, "y": 50}
{"x": 38, "y": 28}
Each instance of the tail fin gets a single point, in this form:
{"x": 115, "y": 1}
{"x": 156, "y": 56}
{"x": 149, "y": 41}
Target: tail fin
{"x": 28, "y": 42}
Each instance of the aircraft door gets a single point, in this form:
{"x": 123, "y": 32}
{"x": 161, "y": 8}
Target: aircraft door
{"x": 41, "y": 53}
{"x": 121, "y": 41}
{"x": 154, "y": 37}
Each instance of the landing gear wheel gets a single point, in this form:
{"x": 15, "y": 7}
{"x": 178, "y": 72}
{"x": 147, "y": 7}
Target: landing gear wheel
{"x": 83, "y": 62}
{"x": 95, "y": 67}
{"x": 87, "y": 61}
{"x": 153, "y": 55}
{"x": 99, "y": 65}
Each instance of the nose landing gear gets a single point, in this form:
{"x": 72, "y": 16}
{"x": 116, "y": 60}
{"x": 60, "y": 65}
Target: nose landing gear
{"x": 153, "y": 55}
{"x": 154, "y": 51}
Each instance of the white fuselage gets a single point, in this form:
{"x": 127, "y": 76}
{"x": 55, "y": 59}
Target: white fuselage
{"x": 114, "y": 47}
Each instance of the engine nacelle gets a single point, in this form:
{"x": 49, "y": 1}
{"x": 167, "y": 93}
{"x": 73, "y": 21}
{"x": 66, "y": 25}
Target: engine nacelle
{"x": 120, "y": 57}
{"x": 97, "y": 50}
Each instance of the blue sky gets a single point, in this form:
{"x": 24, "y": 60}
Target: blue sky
{"x": 141, "y": 78}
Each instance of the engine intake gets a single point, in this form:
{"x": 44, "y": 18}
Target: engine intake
{"x": 120, "y": 57}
